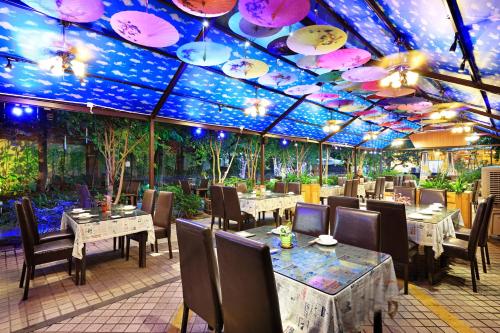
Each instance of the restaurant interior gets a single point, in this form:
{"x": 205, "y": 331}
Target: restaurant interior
{"x": 249, "y": 166}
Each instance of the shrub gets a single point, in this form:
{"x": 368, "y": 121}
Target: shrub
{"x": 185, "y": 205}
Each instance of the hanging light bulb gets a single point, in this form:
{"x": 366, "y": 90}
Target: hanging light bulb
{"x": 397, "y": 142}
{"x": 396, "y": 84}
{"x": 79, "y": 68}
{"x": 411, "y": 78}
{"x": 472, "y": 138}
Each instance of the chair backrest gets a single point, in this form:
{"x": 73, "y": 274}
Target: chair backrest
{"x": 85, "y": 198}
{"x": 241, "y": 187}
{"x": 409, "y": 192}
{"x": 483, "y": 236}
{"x": 294, "y": 187}
{"x": 31, "y": 218}
{"x": 26, "y": 234}
{"x": 393, "y": 228}
{"x": 380, "y": 187}
{"x": 398, "y": 181}
{"x": 199, "y": 271}
{"x": 279, "y": 187}
{"x": 163, "y": 210}
{"x": 311, "y": 219}
{"x": 217, "y": 201}
{"x": 354, "y": 188}
{"x": 477, "y": 227}
{"x": 342, "y": 181}
{"x": 134, "y": 187}
{"x": 429, "y": 196}
{"x": 476, "y": 190}
{"x": 232, "y": 210}
{"x": 340, "y": 201}
{"x": 148, "y": 201}
{"x": 204, "y": 183}
{"x": 186, "y": 188}
{"x": 347, "y": 188}
{"x": 248, "y": 287}
{"x": 410, "y": 183}
{"x": 357, "y": 227}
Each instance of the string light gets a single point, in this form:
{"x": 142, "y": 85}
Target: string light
{"x": 462, "y": 128}
{"x": 472, "y": 138}
{"x": 331, "y": 126}
{"x": 397, "y": 142}
{"x": 400, "y": 78}
{"x": 370, "y": 136}
{"x": 446, "y": 114}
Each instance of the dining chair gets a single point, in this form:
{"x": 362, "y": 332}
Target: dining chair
{"x": 357, "y": 227}
{"x": 217, "y": 205}
{"x": 429, "y": 196}
{"x": 246, "y": 273}
{"x": 132, "y": 192}
{"x": 232, "y": 210}
{"x": 279, "y": 187}
{"x": 347, "y": 188}
{"x": 379, "y": 190}
{"x": 339, "y": 201}
{"x": 84, "y": 197}
{"x": 464, "y": 233}
{"x": 466, "y": 250}
{"x": 408, "y": 192}
{"x": 241, "y": 187}
{"x": 342, "y": 180}
{"x": 410, "y": 183}
{"x": 202, "y": 190}
{"x": 185, "y": 186}
{"x": 33, "y": 224}
{"x": 148, "y": 201}
{"x": 199, "y": 274}
{"x": 38, "y": 254}
{"x": 311, "y": 219}
{"x": 394, "y": 234}
{"x": 398, "y": 180}
{"x": 354, "y": 188}
{"x": 476, "y": 191}
{"x": 294, "y": 187}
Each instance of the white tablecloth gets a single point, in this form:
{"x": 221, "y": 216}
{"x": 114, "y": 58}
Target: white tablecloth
{"x": 96, "y": 231}
{"x": 327, "y": 191}
{"x": 255, "y": 205}
{"x": 305, "y": 309}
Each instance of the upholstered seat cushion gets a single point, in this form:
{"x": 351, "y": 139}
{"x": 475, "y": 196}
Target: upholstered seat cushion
{"x": 56, "y": 235}
{"x": 463, "y": 233}
{"x": 52, "y": 251}
{"x": 456, "y": 247}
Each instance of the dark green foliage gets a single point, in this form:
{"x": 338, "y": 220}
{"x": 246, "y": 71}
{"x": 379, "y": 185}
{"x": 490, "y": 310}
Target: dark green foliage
{"x": 184, "y": 205}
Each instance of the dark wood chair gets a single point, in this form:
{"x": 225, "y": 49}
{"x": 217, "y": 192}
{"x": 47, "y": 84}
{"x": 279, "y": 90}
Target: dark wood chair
{"x": 162, "y": 219}
{"x": 247, "y": 263}
{"x": 409, "y": 192}
{"x": 199, "y": 274}
{"x": 354, "y": 188}
{"x": 217, "y": 203}
{"x": 185, "y": 186}
{"x": 241, "y": 187}
{"x": 311, "y": 219}
{"x": 379, "y": 190}
{"x": 132, "y": 192}
{"x": 279, "y": 187}
{"x": 394, "y": 234}
{"x": 347, "y": 188}
{"x": 466, "y": 250}
{"x": 464, "y": 233}
{"x": 339, "y": 201}
{"x": 429, "y": 196}
{"x": 476, "y": 191}
{"x": 232, "y": 210}
{"x": 38, "y": 254}
{"x": 357, "y": 227}
{"x": 148, "y": 201}
{"x": 202, "y": 190}
{"x": 294, "y": 187}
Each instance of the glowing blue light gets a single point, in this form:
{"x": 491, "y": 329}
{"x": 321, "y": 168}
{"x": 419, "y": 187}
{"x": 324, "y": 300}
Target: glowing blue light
{"x": 28, "y": 110}
{"x": 284, "y": 142}
{"x": 198, "y": 131}
{"x": 17, "y": 111}
{"x": 222, "y": 135}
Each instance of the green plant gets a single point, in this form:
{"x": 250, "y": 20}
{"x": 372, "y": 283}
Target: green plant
{"x": 185, "y": 205}
{"x": 439, "y": 182}
{"x": 332, "y": 180}
{"x": 270, "y": 184}
{"x": 459, "y": 185}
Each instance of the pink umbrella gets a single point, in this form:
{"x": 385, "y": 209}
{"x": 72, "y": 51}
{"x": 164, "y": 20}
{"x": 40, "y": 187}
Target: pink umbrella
{"x": 256, "y": 30}
{"x": 144, "y": 28}
{"x": 305, "y": 89}
{"x": 80, "y": 11}
{"x": 344, "y": 58}
{"x": 371, "y": 86}
{"x": 392, "y": 92}
{"x": 273, "y": 13}
{"x": 365, "y": 113}
{"x": 365, "y": 74}
{"x": 339, "y": 103}
{"x": 205, "y": 8}
{"x": 321, "y": 97}
{"x": 277, "y": 79}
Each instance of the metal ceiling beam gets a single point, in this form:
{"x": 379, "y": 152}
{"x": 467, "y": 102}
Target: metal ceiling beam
{"x": 470, "y": 108}
{"x": 467, "y": 48}
{"x": 462, "y": 82}
{"x": 344, "y": 125}
{"x": 283, "y": 115}
{"x": 478, "y": 123}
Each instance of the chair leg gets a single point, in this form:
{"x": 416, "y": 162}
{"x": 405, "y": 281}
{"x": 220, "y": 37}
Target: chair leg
{"x": 70, "y": 265}
{"x": 23, "y": 275}
{"x": 170, "y": 248}
{"x": 152, "y": 247}
{"x": 27, "y": 282}
{"x": 127, "y": 249}
{"x": 406, "y": 279}
{"x": 185, "y": 316}
{"x": 32, "y": 272}
{"x": 483, "y": 259}
{"x": 220, "y": 221}
{"x": 114, "y": 243}
{"x": 377, "y": 322}
{"x": 476, "y": 268}
{"x": 156, "y": 245}
{"x": 487, "y": 253}
{"x": 473, "y": 276}
{"x": 212, "y": 224}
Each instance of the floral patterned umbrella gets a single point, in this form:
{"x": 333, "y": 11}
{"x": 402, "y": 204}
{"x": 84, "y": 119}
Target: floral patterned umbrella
{"x": 395, "y": 92}
{"x": 205, "y": 8}
{"x": 308, "y": 62}
{"x": 144, "y": 29}
{"x": 273, "y": 13}
{"x": 204, "y": 53}
{"x": 279, "y": 47}
{"x": 256, "y": 30}
{"x": 245, "y": 68}
{"x": 344, "y": 59}
{"x": 277, "y": 79}
{"x": 365, "y": 74}
{"x": 321, "y": 97}
{"x": 301, "y": 90}
{"x": 371, "y": 86}
{"x": 316, "y": 39}
{"x": 329, "y": 77}
{"x": 339, "y": 103}
{"x": 80, "y": 11}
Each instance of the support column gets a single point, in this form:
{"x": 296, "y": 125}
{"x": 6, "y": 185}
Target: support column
{"x": 151, "y": 154}
{"x": 355, "y": 163}
{"x": 262, "y": 161}
{"x": 42, "y": 154}
{"x": 321, "y": 164}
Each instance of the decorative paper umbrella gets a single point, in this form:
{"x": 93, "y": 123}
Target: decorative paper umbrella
{"x": 352, "y": 108}
{"x": 410, "y": 60}
{"x": 321, "y": 97}
{"x": 345, "y": 85}
{"x": 418, "y": 116}
{"x": 371, "y": 86}
{"x": 365, "y": 113}
{"x": 344, "y": 58}
{"x": 328, "y": 77}
{"x": 204, "y": 53}
{"x": 434, "y": 121}
{"x": 277, "y": 79}
{"x": 447, "y": 106}
{"x": 245, "y": 68}
{"x": 365, "y": 74}
{"x": 391, "y": 92}
{"x": 257, "y": 31}
{"x": 144, "y": 29}
{"x": 415, "y": 107}
{"x": 402, "y": 100}
{"x": 279, "y": 47}
{"x": 80, "y": 11}
{"x": 339, "y": 103}
{"x": 273, "y": 13}
{"x": 308, "y": 62}
{"x": 205, "y": 8}
{"x": 316, "y": 39}
{"x": 305, "y": 89}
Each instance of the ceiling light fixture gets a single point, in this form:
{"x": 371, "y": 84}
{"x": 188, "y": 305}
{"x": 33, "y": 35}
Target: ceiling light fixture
{"x": 8, "y": 67}
{"x": 401, "y": 77}
{"x": 461, "y": 128}
{"x": 397, "y": 142}
{"x": 257, "y": 106}
{"x": 462, "y": 66}
{"x": 472, "y": 138}
{"x": 442, "y": 115}
{"x": 332, "y": 126}
{"x": 370, "y": 135}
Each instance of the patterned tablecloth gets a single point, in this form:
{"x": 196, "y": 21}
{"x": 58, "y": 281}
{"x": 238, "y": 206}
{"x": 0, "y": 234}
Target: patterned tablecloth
{"x": 329, "y": 289}
{"x": 269, "y": 202}
{"x": 105, "y": 226}
{"x": 326, "y": 190}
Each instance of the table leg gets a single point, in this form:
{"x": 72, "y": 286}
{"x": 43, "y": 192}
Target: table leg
{"x": 377, "y": 322}
{"x": 143, "y": 248}
{"x": 429, "y": 263}
{"x": 122, "y": 246}
{"x": 83, "y": 266}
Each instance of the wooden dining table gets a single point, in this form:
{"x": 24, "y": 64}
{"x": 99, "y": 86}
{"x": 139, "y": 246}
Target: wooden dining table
{"x": 329, "y": 288}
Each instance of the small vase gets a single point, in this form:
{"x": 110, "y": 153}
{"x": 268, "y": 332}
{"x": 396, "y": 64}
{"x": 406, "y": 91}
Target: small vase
{"x": 286, "y": 241}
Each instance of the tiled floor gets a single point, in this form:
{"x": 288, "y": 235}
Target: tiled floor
{"x": 106, "y": 304}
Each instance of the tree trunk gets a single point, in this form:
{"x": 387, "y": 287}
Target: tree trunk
{"x": 41, "y": 184}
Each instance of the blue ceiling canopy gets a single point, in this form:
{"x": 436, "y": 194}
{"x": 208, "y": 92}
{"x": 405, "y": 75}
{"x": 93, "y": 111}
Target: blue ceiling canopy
{"x": 128, "y": 77}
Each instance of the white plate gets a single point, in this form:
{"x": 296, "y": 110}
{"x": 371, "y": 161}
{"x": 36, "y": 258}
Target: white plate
{"x": 438, "y": 205}
{"x": 417, "y": 216}
{"x": 327, "y": 243}
{"x": 290, "y": 193}
{"x": 276, "y": 231}
{"x": 128, "y": 207}
{"x": 77, "y": 210}
{"x": 426, "y": 212}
